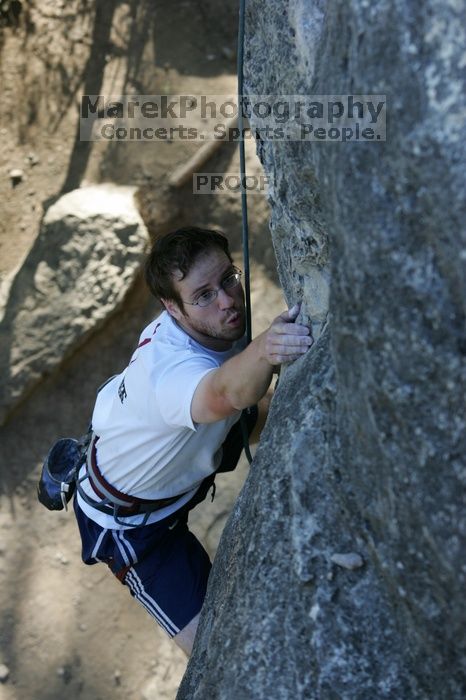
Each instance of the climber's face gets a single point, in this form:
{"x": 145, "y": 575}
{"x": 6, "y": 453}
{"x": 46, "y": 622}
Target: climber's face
{"x": 213, "y": 279}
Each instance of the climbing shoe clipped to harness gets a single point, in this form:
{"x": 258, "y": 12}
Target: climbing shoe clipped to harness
{"x": 57, "y": 481}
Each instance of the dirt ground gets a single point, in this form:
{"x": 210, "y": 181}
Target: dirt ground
{"x": 67, "y": 629}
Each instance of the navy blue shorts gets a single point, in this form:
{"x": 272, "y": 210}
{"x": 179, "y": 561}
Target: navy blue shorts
{"x": 163, "y": 565}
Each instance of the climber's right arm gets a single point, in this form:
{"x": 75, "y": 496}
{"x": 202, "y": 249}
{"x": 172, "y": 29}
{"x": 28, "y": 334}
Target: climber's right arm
{"x": 243, "y": 380}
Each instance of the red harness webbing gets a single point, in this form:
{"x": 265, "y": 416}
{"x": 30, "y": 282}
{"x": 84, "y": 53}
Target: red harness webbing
{"x": 127, "y": 505}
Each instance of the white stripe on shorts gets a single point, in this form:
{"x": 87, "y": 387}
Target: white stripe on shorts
{"x": 95, "y": 551}
{"x": 135, "y": 584}
{"x": 121, "y": 548}
{"x": 129, "y": 546}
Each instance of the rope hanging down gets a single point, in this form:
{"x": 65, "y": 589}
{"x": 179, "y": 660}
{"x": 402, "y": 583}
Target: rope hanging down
{"x": 244, "y": 205}
{"x": 242, "y": 161}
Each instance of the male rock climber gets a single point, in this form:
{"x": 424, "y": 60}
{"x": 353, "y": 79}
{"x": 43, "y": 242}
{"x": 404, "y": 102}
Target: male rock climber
{"x": 168, "y": 423}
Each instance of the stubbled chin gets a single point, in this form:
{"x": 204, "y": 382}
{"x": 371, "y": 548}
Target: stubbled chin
{"x": 235, "y": 332}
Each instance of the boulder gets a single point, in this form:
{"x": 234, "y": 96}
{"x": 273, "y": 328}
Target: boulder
{"x": 78, "y": 271}
{"x": 341, "y": 571}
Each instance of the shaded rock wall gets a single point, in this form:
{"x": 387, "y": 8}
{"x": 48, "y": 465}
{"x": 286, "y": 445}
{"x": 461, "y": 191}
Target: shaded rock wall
{"x": 364, "y": 449}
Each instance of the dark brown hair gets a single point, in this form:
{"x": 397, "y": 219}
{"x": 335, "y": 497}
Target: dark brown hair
{"x": 178, "y": 251}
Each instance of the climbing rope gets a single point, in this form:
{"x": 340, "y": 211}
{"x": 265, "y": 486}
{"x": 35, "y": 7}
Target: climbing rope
{"x": 242, "y": 162}
{"x": 244, "y": 207}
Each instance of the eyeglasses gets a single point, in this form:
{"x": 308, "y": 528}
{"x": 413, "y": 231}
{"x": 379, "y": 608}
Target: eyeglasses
{"x": 229, "y": 282}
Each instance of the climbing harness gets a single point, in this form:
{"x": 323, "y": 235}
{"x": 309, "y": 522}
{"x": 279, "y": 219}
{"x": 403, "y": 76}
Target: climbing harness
{"x": 71, "y": 462}
{"x": 60, "y": 478}
{"x": 112, "y": 501}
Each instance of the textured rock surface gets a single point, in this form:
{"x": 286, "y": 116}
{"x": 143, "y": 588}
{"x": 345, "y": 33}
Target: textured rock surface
{"x": 364, "y": 450}
{"x": 78, "y": 271}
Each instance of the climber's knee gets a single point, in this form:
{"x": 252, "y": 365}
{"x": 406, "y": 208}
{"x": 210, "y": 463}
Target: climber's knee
{"x": 185, "y": 638}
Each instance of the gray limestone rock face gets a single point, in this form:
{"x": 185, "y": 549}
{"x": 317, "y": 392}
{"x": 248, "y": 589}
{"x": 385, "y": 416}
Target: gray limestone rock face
{"x": 78, "y": 271}
{"x": 342, "y": 569}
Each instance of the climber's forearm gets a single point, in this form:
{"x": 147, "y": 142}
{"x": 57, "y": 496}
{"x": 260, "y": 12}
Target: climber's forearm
{"x": 244, "y": 379}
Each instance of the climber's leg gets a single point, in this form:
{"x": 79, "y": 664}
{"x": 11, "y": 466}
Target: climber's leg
{"x": 185, "y": 638}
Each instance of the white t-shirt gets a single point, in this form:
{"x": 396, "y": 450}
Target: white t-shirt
{"x": 148, "y": 445}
